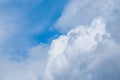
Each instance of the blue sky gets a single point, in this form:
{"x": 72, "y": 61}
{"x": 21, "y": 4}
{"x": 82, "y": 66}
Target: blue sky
{"x": 39, "y": 15}
{"x": 45, "y": 15}
{"x": 59, "y": 40}
{"x": 33, "y": 20}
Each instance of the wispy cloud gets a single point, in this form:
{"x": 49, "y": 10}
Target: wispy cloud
{"x": 31, "y": 68}
{"x": 83, "y": 12}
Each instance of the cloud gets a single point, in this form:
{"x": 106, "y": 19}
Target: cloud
{"x": 106, "y": 65}
{"x": 4, "y": 30}
{"x": 72, "y": 55}
{"x": 16, "y": 62}
{"x": 87, "y": 57}
{"x": 80, "y": 54}
{"x": 83, "y": 12}
{"x": 31, "y": 68}
{"x": 86, "y": 52}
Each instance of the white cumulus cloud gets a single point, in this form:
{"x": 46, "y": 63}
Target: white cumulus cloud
{"x": 73, "y": 54}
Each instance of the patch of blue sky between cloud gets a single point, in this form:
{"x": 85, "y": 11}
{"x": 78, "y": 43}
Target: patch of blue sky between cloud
{"x": 43, "y": 17}
{"x": 28, "y": 23}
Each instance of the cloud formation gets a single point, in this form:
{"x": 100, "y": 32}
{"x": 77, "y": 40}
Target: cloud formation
{"x": 80, "y": 54}
{"x": 31, "y": 68}
{"x": 89, "y": 49}
{"x": 71, "y": 55}
{"x": 83, "y": 12}
{"x": 86, "y": 51}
